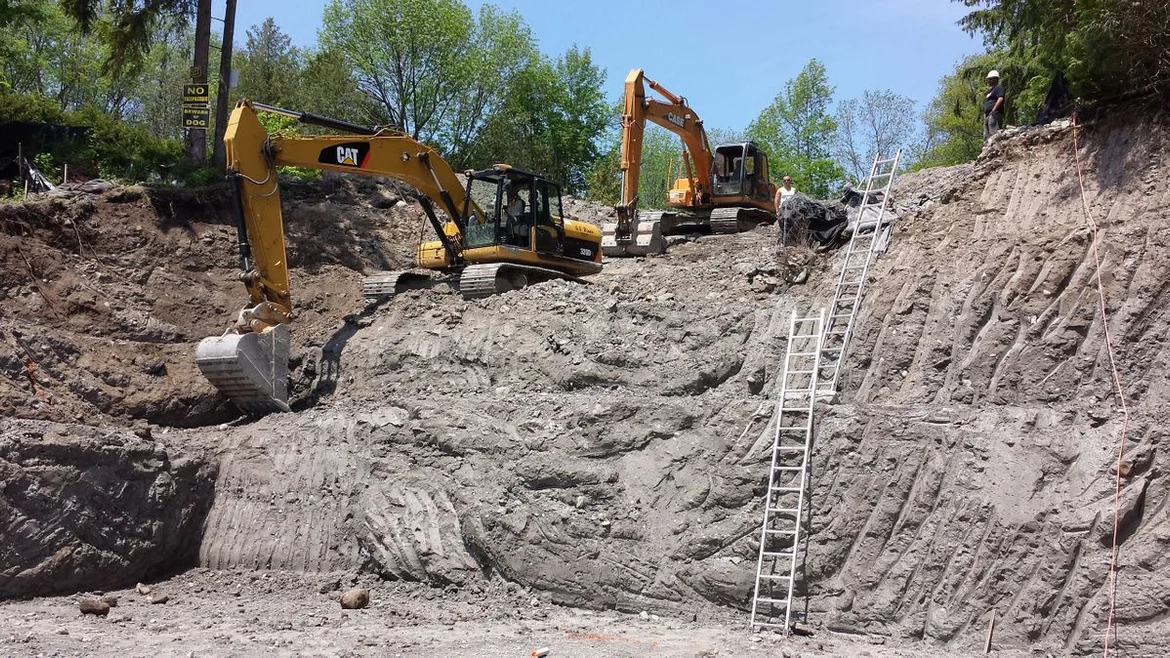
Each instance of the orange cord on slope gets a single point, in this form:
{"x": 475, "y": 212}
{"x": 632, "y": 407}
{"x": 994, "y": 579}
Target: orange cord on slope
{"x": 1117, "y": 385}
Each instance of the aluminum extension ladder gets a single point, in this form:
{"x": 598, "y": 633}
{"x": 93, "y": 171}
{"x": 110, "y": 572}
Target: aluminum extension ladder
{"x": 863, "y": 246}
{"x": 787, "y": 479}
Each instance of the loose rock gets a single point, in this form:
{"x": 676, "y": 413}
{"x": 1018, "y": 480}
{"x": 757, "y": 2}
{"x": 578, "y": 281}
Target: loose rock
{"x": 91, "y": 605}
{"x": 355, "y": 598}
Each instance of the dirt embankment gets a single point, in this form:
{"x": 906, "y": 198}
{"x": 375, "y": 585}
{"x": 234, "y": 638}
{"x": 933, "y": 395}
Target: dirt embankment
{"x": 607, "y": 445}
{"x": 102, "y": 296}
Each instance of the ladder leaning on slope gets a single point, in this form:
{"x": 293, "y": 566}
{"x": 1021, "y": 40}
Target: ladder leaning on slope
{"x": 863, "y": 246}
{"x": 787, "y": 478}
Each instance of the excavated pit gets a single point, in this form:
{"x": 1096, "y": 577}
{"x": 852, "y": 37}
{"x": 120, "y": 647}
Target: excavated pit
{"x": 606, "y": 446}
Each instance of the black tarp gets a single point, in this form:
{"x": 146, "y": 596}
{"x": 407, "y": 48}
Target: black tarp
{"x": 1058, "y": 102}
{"x": 19, "y": 169}
{"x": 802, "y": 216}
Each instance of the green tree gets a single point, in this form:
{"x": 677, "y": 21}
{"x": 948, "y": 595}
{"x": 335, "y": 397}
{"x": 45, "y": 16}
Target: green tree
{"x": 580, "y": 117}
{"x": 128, "y": 27}
{"x": 41, "y": 53}
{"x": 152, "y": 94}
{"x": 879, "y": 122}
{"x": 269, "y": 66}
{"x": 503, "y": 48}
{"x": 797, "y": 130}
{"x": 1105, "y": 47}
{"x": 550, "y": 121}
{"x": 431, "y": 68}
{"x": 327, "y": 87}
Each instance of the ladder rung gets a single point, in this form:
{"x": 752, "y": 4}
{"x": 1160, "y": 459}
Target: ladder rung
{"x": 794, "y": 336}
{"x": 791, "y": 448}
{"x": 788, "y": 469}
{"x": 782, "y": 510}
{"x": 780, "y": 532}
{"x": 778, "y": 553}
{"x": 800, "y": 372}
{"x": 786, "y": 489}
{"x": 760, "y": 599}
{"x": 802, "y": 354}
{"x": 767, "y": 624}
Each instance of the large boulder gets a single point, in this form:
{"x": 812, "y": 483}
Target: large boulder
{"x": 86, "y": 508}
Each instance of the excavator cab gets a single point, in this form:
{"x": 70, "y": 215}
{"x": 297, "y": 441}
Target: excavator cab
{"x": 526, "y": 212}
{"x": 740, "y": 170}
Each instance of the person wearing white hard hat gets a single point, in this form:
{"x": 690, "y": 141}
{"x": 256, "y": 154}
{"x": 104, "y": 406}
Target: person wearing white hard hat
{"x": 992, "y": 106}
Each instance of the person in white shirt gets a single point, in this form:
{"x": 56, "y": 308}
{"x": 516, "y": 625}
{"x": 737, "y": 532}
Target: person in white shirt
{"x": 516, "y": 223}
{"x": 785, "y": 192}
{"x": 515, "y": 205}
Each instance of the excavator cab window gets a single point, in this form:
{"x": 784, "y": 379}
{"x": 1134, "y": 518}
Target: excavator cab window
{"x": 516, "y": 217}
{"x": 756, "y": 175}
{"x": 483, "y": 201}
{"x": 550, "y": 227}
{"x": 730, "y": 170}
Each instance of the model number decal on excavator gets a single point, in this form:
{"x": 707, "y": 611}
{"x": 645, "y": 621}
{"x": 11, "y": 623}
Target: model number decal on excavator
{"x": 352, "y": 154}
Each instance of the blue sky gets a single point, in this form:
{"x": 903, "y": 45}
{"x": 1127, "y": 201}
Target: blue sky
{"x": 728, "y": 57}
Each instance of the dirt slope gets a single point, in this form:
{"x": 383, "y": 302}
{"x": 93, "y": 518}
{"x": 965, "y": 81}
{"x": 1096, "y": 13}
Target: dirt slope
{"x": 970, "y": 468}
{"x": 607, "y": 445}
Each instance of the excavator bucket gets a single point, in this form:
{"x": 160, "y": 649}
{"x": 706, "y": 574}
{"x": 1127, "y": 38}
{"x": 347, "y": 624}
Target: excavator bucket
{"x": 249, "y": 369}
{"x": 645, "y": 238}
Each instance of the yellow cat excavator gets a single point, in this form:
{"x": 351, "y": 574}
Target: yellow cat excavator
{"x": 502, "y": 230}
{"x": 722, "y": 191}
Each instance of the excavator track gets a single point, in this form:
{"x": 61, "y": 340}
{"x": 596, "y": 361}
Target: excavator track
{"x": 250, "y": 369}
{"x": 485, "y": 280}
{"x": 385, "y": 285}
{"x": 738, "y": 220}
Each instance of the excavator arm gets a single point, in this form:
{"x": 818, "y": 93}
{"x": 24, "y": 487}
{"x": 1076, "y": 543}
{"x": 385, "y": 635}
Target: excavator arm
{"x": 253, "y": 155}
{"x": 250, "y": 363}
{"x": 673, "y": 114}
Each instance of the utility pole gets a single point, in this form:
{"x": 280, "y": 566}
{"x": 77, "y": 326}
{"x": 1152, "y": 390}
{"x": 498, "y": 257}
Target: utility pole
{"x": 197, "y": 137}
{"x": 225, "y": 84}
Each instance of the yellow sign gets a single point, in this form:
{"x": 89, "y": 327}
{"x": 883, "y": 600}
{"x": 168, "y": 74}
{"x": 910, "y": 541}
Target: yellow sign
{"x": 196, "y": 116}
{"x": 196, "y": 94}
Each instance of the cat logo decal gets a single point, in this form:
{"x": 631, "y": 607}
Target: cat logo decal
{"x": 353, "y": 154}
